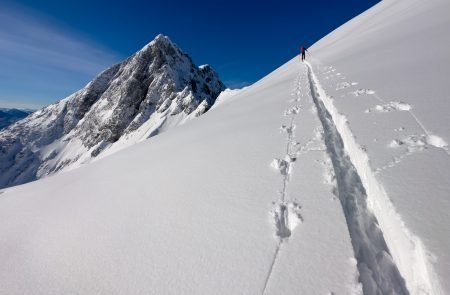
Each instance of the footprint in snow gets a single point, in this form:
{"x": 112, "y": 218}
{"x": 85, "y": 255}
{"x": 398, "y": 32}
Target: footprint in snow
{"x": 360, "y": 92}
{"x": 419, "y": 142}
{"x": 286, "y": 217}
{"x": 389, "y": 107}
{"x": 283, "y": 166}
{"x": 287, "y": 129}
{"x": 409, "y": 145}
{"x": 292, "y": 111}
{"x": 344, "y": 85}
{"x": 330, "y": 72}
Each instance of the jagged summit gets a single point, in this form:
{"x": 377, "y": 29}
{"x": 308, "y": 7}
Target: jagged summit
{"x": 160, "y": 40}
{"x": 164, "y": 46}
{"x": 156, "y": 88}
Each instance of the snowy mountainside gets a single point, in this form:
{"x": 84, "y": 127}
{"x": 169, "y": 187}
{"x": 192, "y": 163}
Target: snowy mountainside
{"x": 386, "y": 72}
{"x": 410, "y": 64}
{"x": 155, "y": 89}
{"x": 325, "y": 177}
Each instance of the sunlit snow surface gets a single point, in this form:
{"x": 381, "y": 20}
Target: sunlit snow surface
{"x": 290, "y": 186}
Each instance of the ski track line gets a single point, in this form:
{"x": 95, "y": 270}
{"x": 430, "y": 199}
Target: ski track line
{"x": 283, "y": 229}
{"x": 370, "y": 215}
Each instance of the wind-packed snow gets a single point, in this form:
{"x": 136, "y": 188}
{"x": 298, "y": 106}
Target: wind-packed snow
{"x": 325, "y": 177}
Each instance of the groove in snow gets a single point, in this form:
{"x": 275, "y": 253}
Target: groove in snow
{"x": 378, "y": 272}
{"x": 410, "y": 259}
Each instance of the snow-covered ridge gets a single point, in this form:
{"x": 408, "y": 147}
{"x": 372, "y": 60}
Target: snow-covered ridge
{"x": 328, "y": 179}
{"x": 155, "y": 89}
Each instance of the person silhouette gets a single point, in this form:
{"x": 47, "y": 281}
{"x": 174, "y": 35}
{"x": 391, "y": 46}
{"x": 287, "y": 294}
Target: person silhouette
{"x": 303, "y": 52}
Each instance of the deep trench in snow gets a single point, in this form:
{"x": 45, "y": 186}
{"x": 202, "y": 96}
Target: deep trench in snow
{"x": 377, "y": 270}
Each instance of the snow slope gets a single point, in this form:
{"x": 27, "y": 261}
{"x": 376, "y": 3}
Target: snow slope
{"x": 387, "y": 73}
{"x": 310, "y": 181}
{"x": 190, "y": 210}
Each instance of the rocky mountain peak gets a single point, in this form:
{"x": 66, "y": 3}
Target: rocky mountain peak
{"x": 153, "y": 90}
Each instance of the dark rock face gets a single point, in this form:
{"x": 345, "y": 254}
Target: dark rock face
{"x": 156, "y": 87}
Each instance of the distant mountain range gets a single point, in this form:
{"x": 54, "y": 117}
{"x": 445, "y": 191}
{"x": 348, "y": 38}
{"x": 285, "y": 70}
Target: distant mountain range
{"x": 155, "y": 89}
{"x": 9, "y": 116}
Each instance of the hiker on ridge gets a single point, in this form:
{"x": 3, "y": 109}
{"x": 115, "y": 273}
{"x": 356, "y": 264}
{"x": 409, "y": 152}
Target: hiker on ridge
{"x": 303, "y": 52}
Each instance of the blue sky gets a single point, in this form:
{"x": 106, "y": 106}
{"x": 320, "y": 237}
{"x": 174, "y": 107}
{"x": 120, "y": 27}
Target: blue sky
{"x": 49, "y": 49}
